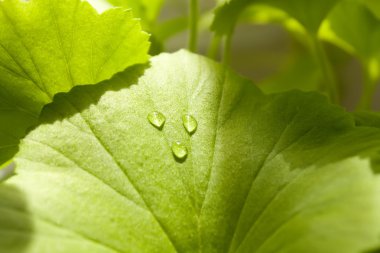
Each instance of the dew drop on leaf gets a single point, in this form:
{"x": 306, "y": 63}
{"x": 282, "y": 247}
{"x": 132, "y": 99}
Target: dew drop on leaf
{"x": 179, "y": 150}
{"x": 190, "y": 123}
{"x": 157, "y": 119}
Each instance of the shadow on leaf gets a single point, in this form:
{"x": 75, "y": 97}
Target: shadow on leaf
{"x": 16, "y": 229}
{"x": 87, "y": 95}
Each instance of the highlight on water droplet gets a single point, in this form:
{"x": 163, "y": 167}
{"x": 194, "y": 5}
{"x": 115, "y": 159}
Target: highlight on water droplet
{"x": 179, "y": 150}
{"x": 157, "y": 119}
{"x": 190, "y": 123}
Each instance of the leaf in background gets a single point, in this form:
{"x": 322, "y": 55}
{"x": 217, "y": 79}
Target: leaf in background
{"x": 300, "y": 73}
{"x": 373, "y": 5}
{"x": 47, "y": 47}
{"x": 264, "y": 14}
{"x": 147, "y": 10}
{"x": 167, "y": 29}
{"x": 309, "y": 13}
{"x": 263, "y": 173}
{"x": 360, "y": 36}
{"x": 227, "y": 15}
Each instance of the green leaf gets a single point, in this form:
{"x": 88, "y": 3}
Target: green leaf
{"x": 263, "y": 173}
{"x": 48, "y": 47}
{"x": 167, "y": 29}
{"x": 373, "y": 5}
{"x": 147, "y": 11}
{"x": 349, "y": 36}
{"x": 300, "y": 72}
{"x": 264, "y": 14}
{"x": 309, "y": 13}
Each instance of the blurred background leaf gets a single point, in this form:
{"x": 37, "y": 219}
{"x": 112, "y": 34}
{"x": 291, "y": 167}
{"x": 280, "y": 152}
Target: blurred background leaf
{"x": 271, "y": 46}
{"x": 360, "y": 36}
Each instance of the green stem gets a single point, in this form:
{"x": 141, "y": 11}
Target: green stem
{"x": 227, "y": 48}
{"x": 193, "y": 25}
{"x": 369, "y": 90}
{"x": 213, "y": 51}
{"x": 330, "y": 85}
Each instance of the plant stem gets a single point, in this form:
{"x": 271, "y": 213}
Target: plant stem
{"x": 193, "y": 25}
{"x": 369, "y": 89}
{"x": 227, "y": 48}
{"x": 214, "y": 48}
{"x": 330, "y": 85}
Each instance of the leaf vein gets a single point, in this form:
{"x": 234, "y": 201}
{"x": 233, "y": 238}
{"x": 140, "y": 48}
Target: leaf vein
{"x": 123, "y": 169}
{"x": 86, "y": 170}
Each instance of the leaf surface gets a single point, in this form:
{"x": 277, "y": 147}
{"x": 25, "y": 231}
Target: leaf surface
{"x": 367, "y": 119}
{"x": 263, "y": 173}
{"x": 370, "y": 119}
{"x": 48, "y": 47}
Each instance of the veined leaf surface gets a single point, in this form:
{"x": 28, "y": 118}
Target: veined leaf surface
{"x": 262, "y": 174}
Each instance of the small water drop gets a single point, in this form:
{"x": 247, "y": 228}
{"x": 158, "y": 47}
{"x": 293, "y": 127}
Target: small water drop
{"x": 157, "y": 119}
{"x": 179, "y": 150}
{"x": 190, "y": 123}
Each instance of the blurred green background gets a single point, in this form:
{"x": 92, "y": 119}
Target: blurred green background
{"x": 271, "y": 56}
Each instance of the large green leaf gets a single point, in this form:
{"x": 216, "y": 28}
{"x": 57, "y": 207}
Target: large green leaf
{"x": 263, "y": 173}
{"x": 50, "y": 46}
{"x": 309, "y": 13}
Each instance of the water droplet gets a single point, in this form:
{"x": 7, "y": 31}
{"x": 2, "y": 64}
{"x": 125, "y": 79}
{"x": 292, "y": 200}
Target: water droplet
{"x": 179, "y": 150}
{"x": 157, "y": 119}
{"x": 189, "y": 123}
